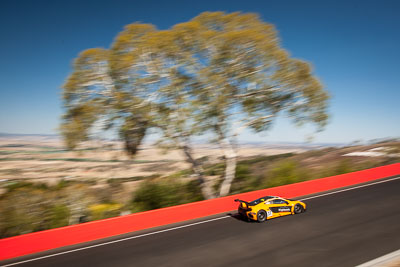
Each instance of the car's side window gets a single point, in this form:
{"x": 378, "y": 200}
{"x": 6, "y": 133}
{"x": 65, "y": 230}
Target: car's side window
{"x": 279, "y": 201}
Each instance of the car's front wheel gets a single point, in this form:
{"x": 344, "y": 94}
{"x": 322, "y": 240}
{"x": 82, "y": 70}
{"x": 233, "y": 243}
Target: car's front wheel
{"x": 298, "y": 209}
{"x": 261, "y": 216}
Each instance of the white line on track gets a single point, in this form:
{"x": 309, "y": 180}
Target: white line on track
{"x": 183, "y": 226}
{"x": 116, "y": 241}
{"x": 352, "y": 188}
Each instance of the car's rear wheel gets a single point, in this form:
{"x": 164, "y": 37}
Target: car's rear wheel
{"x": 298, "y": 209}
{"x": 261, "y": 216}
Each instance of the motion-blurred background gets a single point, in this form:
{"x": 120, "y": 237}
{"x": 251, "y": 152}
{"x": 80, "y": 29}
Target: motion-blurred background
{"x": 114, "y": 107}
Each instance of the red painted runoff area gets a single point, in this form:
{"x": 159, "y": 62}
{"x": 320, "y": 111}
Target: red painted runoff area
{"x": 75, "y": 234}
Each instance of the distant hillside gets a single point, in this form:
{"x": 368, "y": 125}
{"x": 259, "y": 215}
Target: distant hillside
{"x": 13, "y": 135}
{"x": 199, "y": 141}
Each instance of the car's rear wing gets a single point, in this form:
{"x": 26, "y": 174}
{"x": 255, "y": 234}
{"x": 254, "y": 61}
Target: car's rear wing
{"x": 246, "y": 204}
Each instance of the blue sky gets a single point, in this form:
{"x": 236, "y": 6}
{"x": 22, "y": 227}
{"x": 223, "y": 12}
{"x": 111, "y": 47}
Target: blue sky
{"x": 353, "y": 46}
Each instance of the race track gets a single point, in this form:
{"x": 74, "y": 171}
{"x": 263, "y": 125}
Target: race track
{"x": 342, "y": 229}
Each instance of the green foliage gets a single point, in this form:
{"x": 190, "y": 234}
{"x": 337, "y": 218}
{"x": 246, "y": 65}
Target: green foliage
{"x": 285, "y": 172}
{"x": 346, "y": 165}
{"x": 214, "y": 169}
{"x": 181, "y": 174}
{"x": 343, "y": 166}
{"x": 115, "y": 181}
{"x": 17, "y": 184}
{"x": 242, "y": 171}
{"x": 104, "y": 211}
{"x": 244, "y": 180}
{"x": 28, "y": 209}
{"x": 317, "y": 152}
{"x": 11, "y": 186}
{"x": 62, "y": 184}
{"x": 59, "y": 215}
{"x": 164, "y": 193}
{"x": 77, "y": 122}
{"x": 266, "y": 159}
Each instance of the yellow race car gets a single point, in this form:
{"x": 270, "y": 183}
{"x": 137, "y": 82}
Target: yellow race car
{"x": 265, "y": 208}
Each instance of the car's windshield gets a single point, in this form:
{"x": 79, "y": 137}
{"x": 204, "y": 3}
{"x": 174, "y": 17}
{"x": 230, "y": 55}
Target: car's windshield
{"x": 259, "y": 200}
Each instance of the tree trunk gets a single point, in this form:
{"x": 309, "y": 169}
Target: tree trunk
{"x": 133, "y": 136}
{"x": 206, "y": 189}
{"x": 230, "y": 166}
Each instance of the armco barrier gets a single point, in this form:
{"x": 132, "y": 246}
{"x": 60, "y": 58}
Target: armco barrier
{"x": 75, "y": 234}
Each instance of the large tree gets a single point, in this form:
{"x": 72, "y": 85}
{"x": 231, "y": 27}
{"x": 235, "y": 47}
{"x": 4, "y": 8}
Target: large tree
{"x": 218, "y": 73}
{"x": 247, "y": 79}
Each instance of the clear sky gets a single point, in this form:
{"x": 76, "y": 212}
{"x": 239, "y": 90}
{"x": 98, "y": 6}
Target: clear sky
{"x": 354, "y": 47}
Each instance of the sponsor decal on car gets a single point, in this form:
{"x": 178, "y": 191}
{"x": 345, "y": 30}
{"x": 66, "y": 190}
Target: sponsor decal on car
{"x": 283, "y": 209}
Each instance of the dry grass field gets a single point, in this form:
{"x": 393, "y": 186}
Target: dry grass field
{"x": 44, "y": 159}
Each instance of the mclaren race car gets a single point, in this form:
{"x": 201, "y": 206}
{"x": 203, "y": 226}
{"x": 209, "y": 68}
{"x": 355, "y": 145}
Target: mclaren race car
{"x": 269, "y": 207}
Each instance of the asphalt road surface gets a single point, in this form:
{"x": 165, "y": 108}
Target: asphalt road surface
{"x": 342, "y": 229}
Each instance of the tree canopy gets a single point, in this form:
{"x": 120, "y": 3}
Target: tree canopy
{"x": 217, "y": 73}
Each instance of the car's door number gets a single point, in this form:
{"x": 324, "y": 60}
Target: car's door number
{"x": 269, "y": 213}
